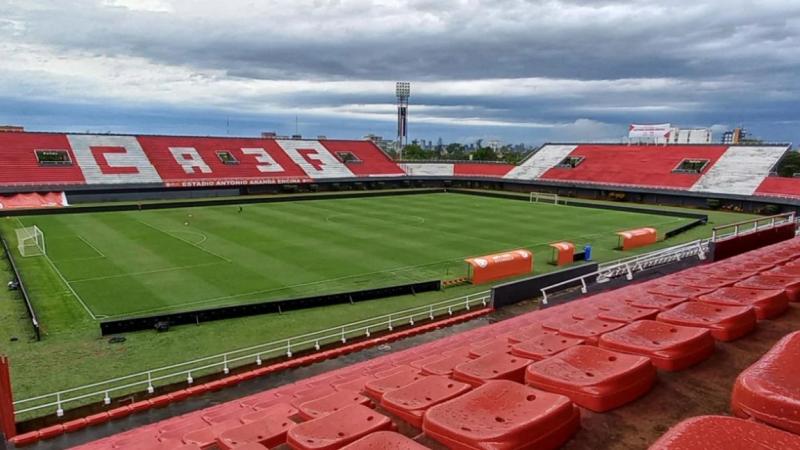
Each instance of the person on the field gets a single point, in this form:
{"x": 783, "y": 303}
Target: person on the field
{"x": 241, "y": 209}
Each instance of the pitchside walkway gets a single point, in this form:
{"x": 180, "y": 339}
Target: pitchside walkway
{"x": 608, "y": 371}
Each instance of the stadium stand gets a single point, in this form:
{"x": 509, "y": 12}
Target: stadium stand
{"x": 428, "y": 169}
{"x": 779, "y": 187}
{"x": 44, "y": 161}
{"x": 540, "y": 162}
{"x": 642, "y": 166}
{"x": 769, "y": 390}
{"x": 725, "y": 433}
{"x": 370, "y": 163}
{"x": 740, "y": 170}
{"x": 482, "y": 170}
{"x": 529, "y": 390}
{"x": 179, "y": 161}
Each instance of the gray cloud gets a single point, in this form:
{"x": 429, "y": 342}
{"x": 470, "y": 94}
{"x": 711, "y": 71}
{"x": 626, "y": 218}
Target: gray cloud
{"x": 558, "y": 65}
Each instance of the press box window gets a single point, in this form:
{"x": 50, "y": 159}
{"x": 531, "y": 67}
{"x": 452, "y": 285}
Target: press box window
{"x": 227, "y": 158}
{"x": 53, "y": 158}
{"x": 570, "y": 162}
{"x": 691, "y": 166}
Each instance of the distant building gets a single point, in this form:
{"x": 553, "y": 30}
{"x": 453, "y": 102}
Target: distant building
{"x": 690, "y": 136}
{"x": 383, "y": 144}
{"x": 734, "y": 136}
{"x": 11, "y": 129}
{"x": 666, "y": 134}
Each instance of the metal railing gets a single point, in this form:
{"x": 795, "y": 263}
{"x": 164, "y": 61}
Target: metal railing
{"x": 734, "y": 229}
{"x": 633, "y": 264}
{"x": 222, "y": 363}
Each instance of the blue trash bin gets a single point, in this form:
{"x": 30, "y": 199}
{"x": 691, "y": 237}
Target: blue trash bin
{"x": 587, "y": 252}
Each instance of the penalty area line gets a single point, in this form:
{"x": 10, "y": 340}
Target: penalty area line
{"x": 64, "y": 280}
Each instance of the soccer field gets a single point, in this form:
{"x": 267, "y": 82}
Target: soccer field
{"x": 119, "y": 264}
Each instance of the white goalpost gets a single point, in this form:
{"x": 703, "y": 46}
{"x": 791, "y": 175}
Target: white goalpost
{"x": 536, "y": 197}
{"x": 30, "y": 241}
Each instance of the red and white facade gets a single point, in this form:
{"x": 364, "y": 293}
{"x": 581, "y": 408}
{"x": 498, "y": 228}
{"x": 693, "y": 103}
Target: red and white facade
{"x": 107, "y": 161}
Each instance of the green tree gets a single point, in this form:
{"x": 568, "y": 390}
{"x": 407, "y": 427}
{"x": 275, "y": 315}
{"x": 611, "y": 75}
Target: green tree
{"x": 484, "y": 154}
{"x": 790, "y": 164}
{"x": 414, "y": 151}
{"x": 455, "y": 151}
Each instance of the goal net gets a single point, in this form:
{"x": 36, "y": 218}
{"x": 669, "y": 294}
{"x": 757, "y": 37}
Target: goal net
{"x": 30, "y": 241}
{"x": 544, "y": 197}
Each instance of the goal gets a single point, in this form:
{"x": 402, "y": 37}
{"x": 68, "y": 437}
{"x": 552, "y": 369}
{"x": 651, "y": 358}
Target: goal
{"x": 536, "y": 197}
{"x": 30, "y": 241}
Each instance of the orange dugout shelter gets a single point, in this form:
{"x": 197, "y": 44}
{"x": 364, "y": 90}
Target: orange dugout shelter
{"x": 484, "y": 269}
{"x": 563, "y": 253}
{"x": 638, "y": 237}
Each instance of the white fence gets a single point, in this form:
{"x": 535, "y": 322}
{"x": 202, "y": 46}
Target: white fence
{"x": 222, "y": 363}
{"x": 631, "y": 265}
{"x": 751, "y": 226}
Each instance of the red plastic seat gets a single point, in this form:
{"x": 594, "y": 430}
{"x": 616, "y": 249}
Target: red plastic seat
{"x": 379, "y": 387}
{"x": 726, "y": 272}
{"x": 767, "y": 303}
{"x": 330, "y": 403}
{"x": 683, "y": 291}
{"x": 628, "y": 314}
{"x": 503, "y": 415}
{"x": 589, "y": 330}
{"x": 354, "y": 384}
{"x": 206, "y": 437}
{"x": 669, "y": 347}
{"x": 527, "y": 333}
{"x": 385, "y": 440}
{"x": 494, "y": 366}
{"x": 725, "y": 322}
{"x": 544, "y": 346}
{"x": 769, "y": 390}
{"x": 269, "y": 432}
{"x": 696, "y": 281}
{"x": 724, "y": 433}
{"x": 774, "y": 280}
{"x": 592, "y": 377}
{"x": 589, "y": 310}
{"x": 497, "y": 344}
{"x": 337, "y": 429}
{"x": 284, "y": 410}
{"x": 303, "y": 396}
{"x": 410, "y": 402}
{"x": 443, "y": 366}
{"x": 656, "y": 301}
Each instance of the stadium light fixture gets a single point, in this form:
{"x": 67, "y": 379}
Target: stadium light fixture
{"x": 403, "y": 92}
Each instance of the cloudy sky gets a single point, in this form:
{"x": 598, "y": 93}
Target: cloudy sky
{"x": 515, "y": 70}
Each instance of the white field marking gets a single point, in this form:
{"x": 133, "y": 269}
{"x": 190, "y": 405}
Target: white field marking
{"x": 145, "y": 272}
{"x": 90, "y": 245}
{"x": 413, "y": 225}
{"x": 184, "y": 241}
{"x": 202, "y": 235}
{"x": 87, "y": 258}
{"x": 63, "y": 279}
{"x": 417, "y": 219}
{"x": 391, "y": 271}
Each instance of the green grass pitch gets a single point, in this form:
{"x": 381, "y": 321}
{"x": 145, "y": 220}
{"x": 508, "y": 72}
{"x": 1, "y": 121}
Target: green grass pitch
{"x": 123, "y": 263}
{"x": 142, "y": 262}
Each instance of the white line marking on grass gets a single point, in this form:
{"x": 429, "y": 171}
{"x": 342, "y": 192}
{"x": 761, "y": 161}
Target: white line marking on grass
{"x": 60, "y": 275}
{"x": 197, "y": 246}
{"x": 395, "y": 272}
{"x": 145, "y": 272}
{"x": 90, "y": 245}
{"x": 69, "y": 260}
{"x": 417, "y": 219}
{"x": 69, "y": 286}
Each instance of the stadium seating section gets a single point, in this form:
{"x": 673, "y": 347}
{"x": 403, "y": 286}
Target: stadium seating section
{"x": 522, "y": 382}
{"x": 58, "y": 161}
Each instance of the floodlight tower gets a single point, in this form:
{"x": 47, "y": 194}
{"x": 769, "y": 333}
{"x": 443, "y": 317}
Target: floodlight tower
{"x": 403, "y": 91}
